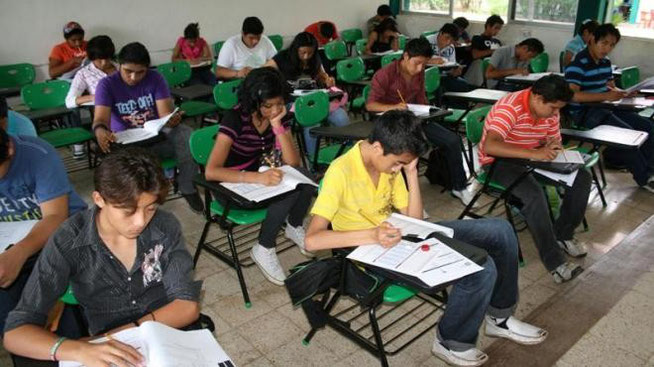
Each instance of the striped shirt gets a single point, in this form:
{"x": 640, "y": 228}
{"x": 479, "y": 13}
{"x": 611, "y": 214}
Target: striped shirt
{"x": 512, "y": 119}
{"x": 86, "y": 79}
{"x": 589, "y": 75}
{"x": 248, "y": 144}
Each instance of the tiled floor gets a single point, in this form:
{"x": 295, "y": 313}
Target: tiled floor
{"x": 271, "y": 331}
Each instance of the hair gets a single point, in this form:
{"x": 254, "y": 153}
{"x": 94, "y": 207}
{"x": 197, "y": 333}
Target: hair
{"x": 304, "y": 39}
{"x": 327, "y": 29}
{"x": 134, "y": 53}
{"x": 493, "y": 19}
{"x": 461, "y": 22}
{"x": 451, "y": 29}
{"x": 384, "y": 11}
{"x": 387, "y": 24}
{"x": 399, "y": 132}
{"x": 125, "y": 174}
{"x": 73, "y": 32}
{"x": 419, "y": 47}
{"x": 533, "y": 45}
{"x": 100, "y": 47}
{"x": 4, "y": 146}
{"x": 604, "y": 30}
{"x": 3, "y": 108}
{"x": 259, "y": 85}
{"x": 553, "y": 88}
{"x": 252, "y": 25}
{"x": 192, "y": 31}
{"x": 589, "y": 25}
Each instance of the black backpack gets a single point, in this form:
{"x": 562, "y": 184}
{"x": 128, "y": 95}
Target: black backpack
{"x": 438, "y": 172}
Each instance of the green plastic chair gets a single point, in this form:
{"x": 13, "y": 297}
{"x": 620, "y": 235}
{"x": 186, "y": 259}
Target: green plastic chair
{"x": 428, "y": 33}
{"x": 350, "y": 36}
{"x": 350, "y": 70}
{"x": 277, "y": 40}
{"x": 336, "y": 50}
{"x": 540, "y": 63}
{"x": 217, "y": 47}
{"x": 225, "y": 94}
{"x": 432, "y": 82}
{"x": 360, "y": 45}
{"x": 176, "y": 73}
{"x": 402, "y": 41}
{"x": 359, "y": 103}
{"x": 389, "y": 58}
{"x": 630, "y": 77}
{"x": 311, "y": 110}
{"x": 484, "y": 65}
{"x": 16, "y": 75}
{"x": 201, "y": 143}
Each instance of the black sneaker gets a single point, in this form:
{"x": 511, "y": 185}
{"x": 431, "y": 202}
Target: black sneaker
{"x": 195, "y": 202}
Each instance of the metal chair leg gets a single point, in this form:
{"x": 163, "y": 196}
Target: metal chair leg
{"x": 237, "y": 267}
{"x": 599, "y": 187}
{"x": 198, "y": 249}
{"x": 378, "y": 337}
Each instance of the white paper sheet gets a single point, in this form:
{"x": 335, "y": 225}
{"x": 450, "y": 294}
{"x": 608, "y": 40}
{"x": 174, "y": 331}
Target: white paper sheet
{"x": 150, "y": 130}
{"x": 12, "y": 232}
{"x": 419, "y": 109}
{"x": 563, "y": 178}
{"x": 569, "y": 156}
{"x": 302, "y": 92}
{"x": 530, "y": 77}
{"x": 645, "y": 84}
{"x": 258, "y": 192}
{"x": 634, "y": 101}
{"x": 417, "y": 227}
{"x": 201, "y": 64}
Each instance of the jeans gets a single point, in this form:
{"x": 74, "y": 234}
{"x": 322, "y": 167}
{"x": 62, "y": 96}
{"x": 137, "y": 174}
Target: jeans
{"x": 293, "y": 206}
{"x": 176, "y": 146}
{"x": 535, "y": 210}
{"x": 10, "y": 296}
{"x": 492, "y": 291}
{"x": 338, "y": 117}
{"x": 203, "y": 75}
{"x": 638, "y": 161}
{"x": 450, "y": 143}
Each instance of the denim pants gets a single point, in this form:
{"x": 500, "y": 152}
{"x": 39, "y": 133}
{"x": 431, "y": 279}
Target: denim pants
{"x": 338, "y": 117}
{"x": 10, "y": 296}
{"x": 176, "y": 146}
{"x": 450, "y": 143}
{"x": 638, "y": 161}
{"x": 492, "y": 291}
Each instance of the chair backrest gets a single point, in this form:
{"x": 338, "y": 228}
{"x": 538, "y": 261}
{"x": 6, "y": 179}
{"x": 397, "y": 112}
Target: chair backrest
{"x": 350, "y": 70}
{"x": 432, "y": 79}
{"x": 475, "y": 124}
{"x": 201, "y": 143}
{"x": 277, "y": 40}
{"x": 561, "y": 57}
{"x": 216, "y": 48}
{"x": 484, "y": 65}
{"x": 428, "y": 33}
{"x": 311, "y": 109}
{"x": 540, "y": 63}
{"x": 175, "y": 73}
{"x": 351, "y": 35}
{"x": 336, "y": 50}
{"x": 45, "y": 95}
{"x": 16, "y": 75}
{"x": 389, "y": 58}
{"x": 366, "y": 93}
{"x": 226, "y": 94}
{"x": 402, "y": 42}
{"x": 630, "y": 77}
{"x": 360, "y": 45}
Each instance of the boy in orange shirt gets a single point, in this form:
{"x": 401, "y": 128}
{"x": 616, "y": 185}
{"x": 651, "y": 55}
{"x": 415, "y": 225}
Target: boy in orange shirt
{"x": 66, "y": 58}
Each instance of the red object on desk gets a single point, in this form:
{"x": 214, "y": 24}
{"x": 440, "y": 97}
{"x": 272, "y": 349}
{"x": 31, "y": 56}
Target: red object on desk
{"x": 425, "y": 247}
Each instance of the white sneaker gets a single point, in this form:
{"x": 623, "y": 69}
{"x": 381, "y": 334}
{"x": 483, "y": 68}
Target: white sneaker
{"x": 297, "y": 234}
{"x": 464, "y": 195}
{"x": 649, "y": 186}
{"x": 266, "y": 259}
{"x": 515, "y": 330}
{"x": 78, "y": 151}
{"x": 573, "y": 247}
{"x": 470, "y": 357}
{"x": 566, "y": 271}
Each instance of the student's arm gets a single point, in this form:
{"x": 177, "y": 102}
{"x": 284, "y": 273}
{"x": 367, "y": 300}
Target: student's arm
{"x": 320, "y": 237}
{"x": 415, "y": 198}
{"x": 57, "y": 68}
{"x": 584, "y": 97}
{"x": 101, "y": 127}
{"x": 325, "y": 78}
{"x": 290, "y": 155}
{"x": 271, "y": 63}
{"x": 372, "y": 37}
{"x": 225, "y": 73}
{"x": 395, "y": 43}
{"x": 177, "y": 55}
{"x": 495, "y": 146}
{"x": 206, "y": 53}
{"x": 165, "y": 107}
{"x": 54, "y": 211}
{"x": 74, "y": 97}
{"x": 567, "y": 58}
{"x": 494, "y": 73}
{"x": 480, "y": 54}
{"x": 378, "y": 89}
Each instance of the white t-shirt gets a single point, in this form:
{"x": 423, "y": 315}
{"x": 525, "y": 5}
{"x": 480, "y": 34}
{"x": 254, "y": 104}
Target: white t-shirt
{"x": 448, "y": 52}
{"x": 235, "y": 55}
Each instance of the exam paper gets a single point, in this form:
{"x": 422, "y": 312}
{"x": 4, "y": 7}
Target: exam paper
{"x": 12, "y": 232}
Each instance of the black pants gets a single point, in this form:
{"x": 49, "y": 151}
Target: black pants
{"x": 293, "y": 206}
{"x": 450, "y": 143}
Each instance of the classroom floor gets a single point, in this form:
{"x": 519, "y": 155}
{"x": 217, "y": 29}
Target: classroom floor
{"x": 617, "y": 332}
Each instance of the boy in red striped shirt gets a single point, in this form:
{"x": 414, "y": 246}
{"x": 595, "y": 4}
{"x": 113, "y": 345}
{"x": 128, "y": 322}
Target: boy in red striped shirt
{"x": 525, "y": 125}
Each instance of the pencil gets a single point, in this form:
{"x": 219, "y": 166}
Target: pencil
{"x": 400, "y": 94}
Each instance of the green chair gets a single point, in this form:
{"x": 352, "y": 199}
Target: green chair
{"x": 217, "y": 47}
{"x": 484, "y": 65}
{"x": 350, "y": 36}
{"x": 428, "y": 33}
{"x": 46, "y": 102}
{"x": 310, "y": 111}
{"x": 336, "y": 50}
{"x": 69, "y": 300}
{"x": 402, "y": 41}
{"x": 16, "y": 75}
{"x": 387, "y": 59}
{"x": 630, "y": 77}
{"x": 350, "y": 70}
{"x": 176, "y": 74}
{"x": 221, "y": 210}
{"x": 360, "y": 45}
{"x": 540, "y": 63}
{"x": 359, "y": 104}
{"x": 225, "y": 94}
{"x": 277, "y": 40}
{"x": 432, "y": 82}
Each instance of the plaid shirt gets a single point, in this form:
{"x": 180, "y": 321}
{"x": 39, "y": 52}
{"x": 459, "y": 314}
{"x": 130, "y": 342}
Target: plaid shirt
{"x": 86, "y": 79}
{"x": 109, "y": 294}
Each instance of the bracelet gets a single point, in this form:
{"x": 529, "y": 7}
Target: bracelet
{"x": 279, "y": 130}
{"x": 55, "y": 347}
{"x": 100, "y": 126}
{"x": 153, "y": 318}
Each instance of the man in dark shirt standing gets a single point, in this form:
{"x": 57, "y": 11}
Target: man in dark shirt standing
{"x": 125, "y": 261}
{"x": 483, "y": 46}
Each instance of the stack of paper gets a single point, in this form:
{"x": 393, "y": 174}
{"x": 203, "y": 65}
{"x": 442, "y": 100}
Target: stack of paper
{"x": 419, "y": 109}
{"x": 258, "y": 192}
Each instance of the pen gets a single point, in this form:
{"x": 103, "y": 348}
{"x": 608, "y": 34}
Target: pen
{"x": 400, "y": 94}
{"x": 443, "y": 265}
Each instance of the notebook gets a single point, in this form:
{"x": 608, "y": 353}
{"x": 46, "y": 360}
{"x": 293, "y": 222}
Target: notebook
{"x": 12, "y": 232}
{"x": 164, "y": 346}
{"x": 258, "y": 192}
{"x": 149, "y": 130}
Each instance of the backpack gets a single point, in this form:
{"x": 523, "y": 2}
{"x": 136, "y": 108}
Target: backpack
{"x": 438, "y": 172}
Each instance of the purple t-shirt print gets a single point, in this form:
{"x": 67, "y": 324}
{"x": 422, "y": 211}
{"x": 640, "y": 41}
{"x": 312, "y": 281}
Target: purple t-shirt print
{"x": 131, "y": 106}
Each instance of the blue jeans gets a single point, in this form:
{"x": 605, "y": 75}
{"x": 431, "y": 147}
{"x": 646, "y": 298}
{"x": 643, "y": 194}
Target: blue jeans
{"x": 492, "y": 291}
{"x": 638, "y": 161}
{"x": 10, "y": 296}
{"x": 338, "y": 117}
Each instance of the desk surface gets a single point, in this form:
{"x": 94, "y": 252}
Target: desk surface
{"x": 480, "y": 95}
{"x": 355, "y": 131}
{"x": 527, "y": 79}
{"x": 192, "y": 92}
{"x": 47, "y": 112}
{"x": 10, "y": 92}
{"x": 607, "y": 135}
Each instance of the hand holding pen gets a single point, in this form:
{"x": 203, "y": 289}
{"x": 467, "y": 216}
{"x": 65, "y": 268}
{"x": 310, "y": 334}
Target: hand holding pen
{"x": 384, "y": 233}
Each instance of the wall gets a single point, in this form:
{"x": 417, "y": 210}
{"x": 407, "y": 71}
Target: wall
{"x": 32, "y": 27}
{"x": 629, "y": 51}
